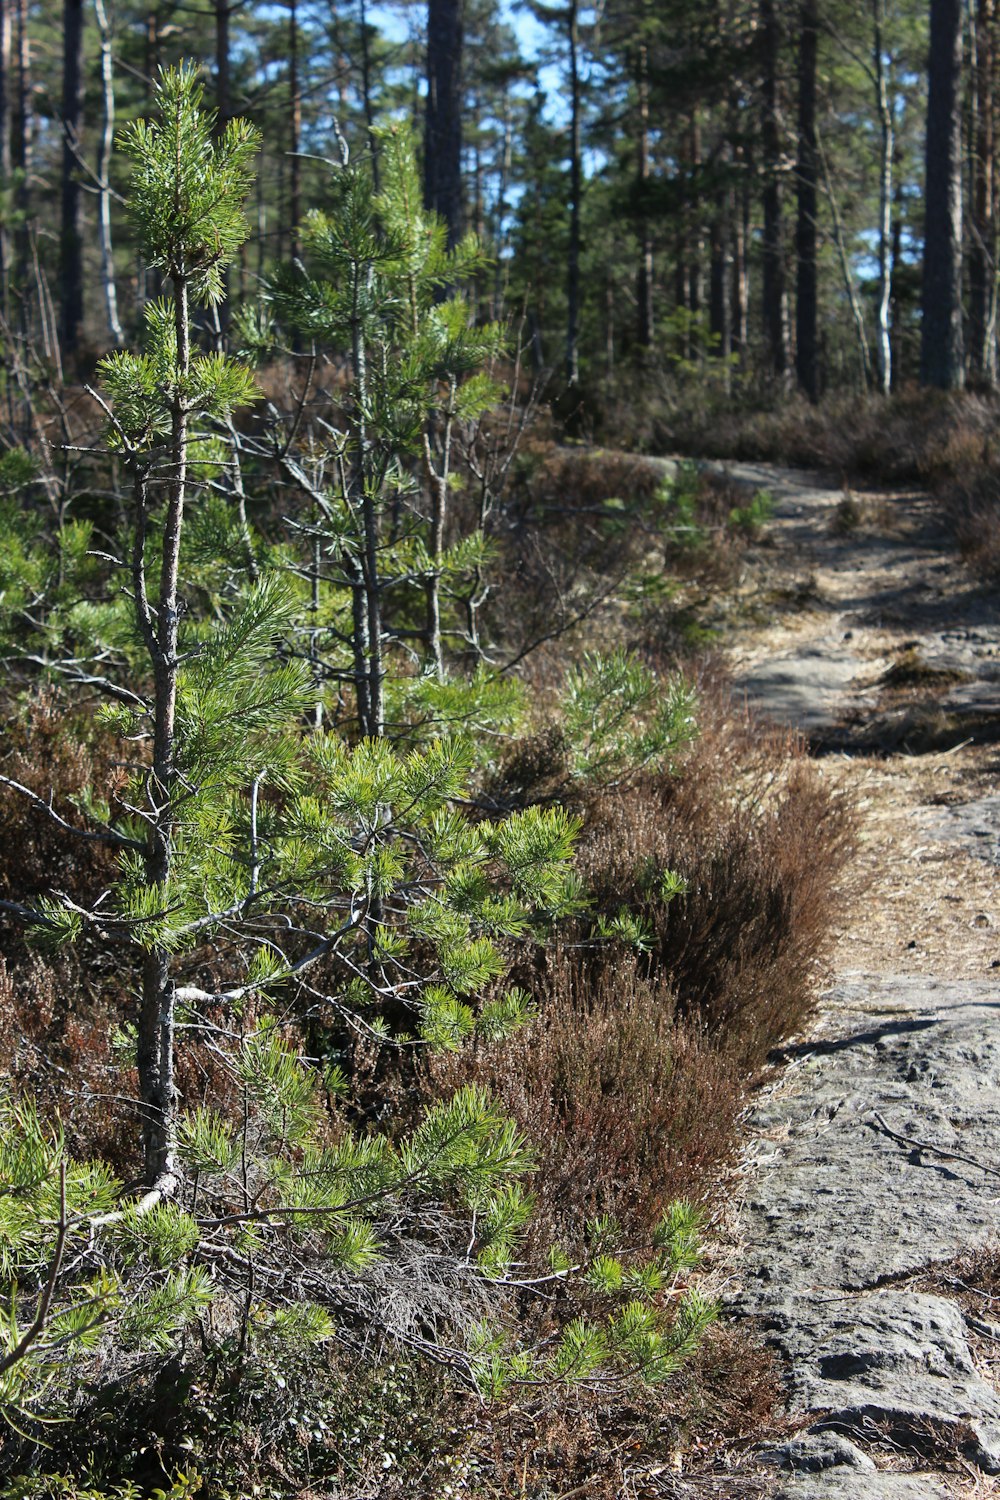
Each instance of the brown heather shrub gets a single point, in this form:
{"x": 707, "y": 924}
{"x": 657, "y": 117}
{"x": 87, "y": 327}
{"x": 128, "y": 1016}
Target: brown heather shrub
{"x": 630, "y": 1082}
{"x": 762, "y": 842}
{"x": 57, "y": 1019}
{"x": 972, "y": 501}
{"x": 59, "y": 1012}
{"x": 741, "y": 947}
{"x": 912, "y": 436}
{"x": 949, "y": 441}
{"x": 54, "y": 756}
{"x": 625, "y": 1106}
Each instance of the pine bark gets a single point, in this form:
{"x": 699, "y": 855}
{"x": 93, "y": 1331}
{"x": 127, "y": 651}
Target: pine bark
{"x": 103, "y": 176}
{"x": 366, "y": 94}
{"x": 695, "y": 279}
{"x": 774, "y": 302}
{"x": 806, "y": 290}
{"x": 941, "y": 336}
{"x": 70, "y": 236}
{"x": 223, "y": 107}
{"x": 644, "y": 275}
{"x": 6, "y": 61}
{"x": 21, "y": 153}
{"x": 721, "y": 302}
{"x": 443, "y": 116}
{"x": 575, "y": 193}
{"x": 294, "y": 130}
{"x": 982, "y": 248}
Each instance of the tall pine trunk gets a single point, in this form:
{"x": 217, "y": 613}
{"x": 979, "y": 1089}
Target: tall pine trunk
{"x": 941, "y": 341}
{"x": 223, "y": 105}
{"x": 806, "y": 290}
{"x": 443, "y": 118}
{"x": 774, "y": 304}
{"x": 695, "y": 281}
{"x": 21, "y": 156}
{"x": 982, "y": 248}
{"x": 294, "y": 130}
{"x": 6, "y": 61}
{"x": 644, "y": 275}
{"x": 740, "y": 208}
{"x": 575, "y": 190}
{"x": 366, "y": 92}
{"x": 720, "y": 301}
{"x": 70, "y": 236}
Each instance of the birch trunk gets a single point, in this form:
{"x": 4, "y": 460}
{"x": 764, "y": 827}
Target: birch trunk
{"x": 883, "y": 339}
{"x": 103, "y": 171}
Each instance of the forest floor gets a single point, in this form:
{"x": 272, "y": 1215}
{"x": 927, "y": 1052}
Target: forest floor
{"x": 872, "y": 1209}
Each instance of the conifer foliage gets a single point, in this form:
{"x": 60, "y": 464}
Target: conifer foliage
{"x": 277, "y": 862}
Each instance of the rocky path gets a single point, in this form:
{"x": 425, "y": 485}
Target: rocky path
{"x": 878, "y": 1152}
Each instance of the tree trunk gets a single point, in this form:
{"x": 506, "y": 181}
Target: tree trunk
{"x": 941, "y": 342}
{"x": 644, "y": 277}
{"x": 840, "y": 240}
{"x": 740, "y": 209}
{"x": 443, "y": 118}
{"x": 103, "y": 171}
{"x": 982, "y": 250}
{"x": 499, "y": 262}
{"x": 806, "y": 291}
{"x": 895, "y": 261}
{"x": 366, "y": 93}
{"x": 155, "y": 1049}
{"x": 720, "y": 305}
{"x": 21, "y": 155}
{"x": 773, "y": 296}
{"x": 887, "y": 148}
{"x": 294, "y": 130}
{"x": 695, "y": 279}
{"x": 575, "y": 190}
{"x": 6, "y": 59}
{"x": 223, "y": 107}
{"x": 70, "y": 237}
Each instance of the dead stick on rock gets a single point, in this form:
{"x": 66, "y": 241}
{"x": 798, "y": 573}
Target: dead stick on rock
{"x": 909, "y": 1140}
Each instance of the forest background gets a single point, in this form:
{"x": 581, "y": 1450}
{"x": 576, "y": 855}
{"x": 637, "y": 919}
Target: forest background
{"x": 735, "y": 192}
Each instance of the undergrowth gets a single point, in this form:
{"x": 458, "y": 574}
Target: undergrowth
{"x": 948, "y": 442}
{"x": 712, "y": 884}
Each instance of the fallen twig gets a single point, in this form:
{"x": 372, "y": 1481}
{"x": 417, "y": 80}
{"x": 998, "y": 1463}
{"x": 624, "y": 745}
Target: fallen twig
{"x": 909, "y": 1140}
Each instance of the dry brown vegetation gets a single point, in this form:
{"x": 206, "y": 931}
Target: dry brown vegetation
{"x": 632, "y": 1080}
{"x": 951, "y": 443}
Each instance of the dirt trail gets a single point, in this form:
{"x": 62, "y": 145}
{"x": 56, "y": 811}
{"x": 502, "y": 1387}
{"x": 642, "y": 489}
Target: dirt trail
{"x": 878, "y": 1153}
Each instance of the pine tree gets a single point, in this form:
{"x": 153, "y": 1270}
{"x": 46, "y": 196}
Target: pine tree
{"x": 312, "y": 865}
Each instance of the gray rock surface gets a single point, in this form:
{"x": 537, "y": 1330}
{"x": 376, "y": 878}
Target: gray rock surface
{"x": 838, "y": 1203}
{"x": 841, "y": 1484}
{"x": 816, "y": 1451}
{"x": 898, "y": 1360}
{"x": 842, "y": 1209}
{"x": 805, "y": 687}
{"x": 975, "y": 825}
